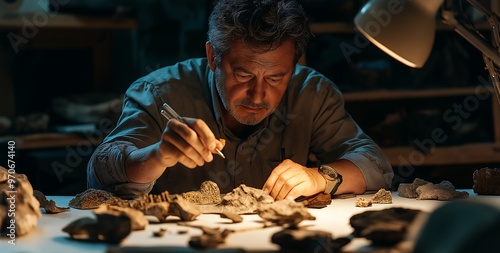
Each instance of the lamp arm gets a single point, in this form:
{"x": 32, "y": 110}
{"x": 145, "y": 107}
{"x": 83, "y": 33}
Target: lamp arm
{"x": 486, "y": 48}
{"x": 490, "y": 51}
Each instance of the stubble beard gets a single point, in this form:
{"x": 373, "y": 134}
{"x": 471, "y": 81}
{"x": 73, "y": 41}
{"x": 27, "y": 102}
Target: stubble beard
{"x": 249, "y": 118}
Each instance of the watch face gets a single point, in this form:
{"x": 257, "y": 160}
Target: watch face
{"x": 329, "y": 172}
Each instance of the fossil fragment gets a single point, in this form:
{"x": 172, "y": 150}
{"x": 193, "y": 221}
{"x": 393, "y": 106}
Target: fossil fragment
{"x": 241, "y": 200}
{"x": 107, "y": 227}
{"x": 302, "y": 240}
{"x": 234, "y": 217}
{"x": 382, "y": 197}
{"x": 410, "y": 190}
{"x": 284, "y": 212}
{"x": 383, "y": 227}
{"x": 184, "y": 209}
{"x": 16, "y": 198}
{"x": 160, "y": 232}
{"x": 210, "y": 238}
{"x": 49, "y": 205}
{"x": 442, "y": 191}
{"x": 318, "y": 200}
{"x": 93, "y": 198}
{"x": 209, "y": 193}
{"x": 486, "y": 181}
{"x": 362, "y": 202}
{"x": 421, "y": 189}
{"x": 158, "y": 210}
{"x": 139, "y": 222}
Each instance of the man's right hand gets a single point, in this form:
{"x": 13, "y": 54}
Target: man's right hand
{"x": 190, "y": 142}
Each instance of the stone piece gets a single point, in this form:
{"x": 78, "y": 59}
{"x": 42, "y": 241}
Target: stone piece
{"x": 382, "y": 197}
{"x": 442, "y": 191}
{"x": 486, "y": 181}
{"x": 241, "y": 200}
{"x": 383, "y": 227}
{"x": 107, "y": 227}
{"x": 158, "y": 210}
{"x": 184, "y": 209}
{"x": 284, "y": 212}
{"x": 302, "y": 240}
{"x": 410, "y": 190}
{"x": 421, "y": 189}
{"x": 209, "y": 193}
{"x": 93, "y": 198}
{"x": 318, "y": 200}
{"x": 211, "y": 238}
{"x": 139, "y": 222}
{"x": 234, "y": 217}
{"x": 48, "y": 205}
{"x": 160, "y": 232}
{"x": 164, "y": 205}
{"x": 362, "y": 202}
{"x": 16, "y": 193}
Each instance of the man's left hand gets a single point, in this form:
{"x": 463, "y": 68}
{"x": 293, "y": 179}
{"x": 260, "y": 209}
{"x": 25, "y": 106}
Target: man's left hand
{"x": 290, "y": 179}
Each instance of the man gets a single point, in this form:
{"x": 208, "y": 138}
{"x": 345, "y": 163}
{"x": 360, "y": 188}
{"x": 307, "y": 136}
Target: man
{"x": 273, "y": 115}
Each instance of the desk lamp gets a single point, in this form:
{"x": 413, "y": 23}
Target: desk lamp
{"x": 405, "y": 30}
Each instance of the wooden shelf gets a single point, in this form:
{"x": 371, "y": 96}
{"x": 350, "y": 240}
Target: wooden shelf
{"x": 414, "y": 94}
{"x": 64, "y": 21}
{"x": 52, "y": 140}
{"x": 343, "y": 27}
{"x": 463, "y": 154}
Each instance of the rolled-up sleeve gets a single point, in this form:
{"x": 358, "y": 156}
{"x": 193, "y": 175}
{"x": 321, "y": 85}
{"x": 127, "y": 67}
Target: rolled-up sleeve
{"x": 337, "y": 136}
{"x": 374, "y": 166}
{"x": 106, "y": 170}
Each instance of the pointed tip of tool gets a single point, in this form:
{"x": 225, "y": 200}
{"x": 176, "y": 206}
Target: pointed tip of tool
{"x": 220, "y": 153}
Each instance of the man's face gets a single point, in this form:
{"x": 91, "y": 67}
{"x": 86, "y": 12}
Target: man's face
{"x": 251, "y": 84}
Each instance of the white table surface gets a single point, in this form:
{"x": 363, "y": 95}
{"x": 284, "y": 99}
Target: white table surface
{"x": 49, "y": 237}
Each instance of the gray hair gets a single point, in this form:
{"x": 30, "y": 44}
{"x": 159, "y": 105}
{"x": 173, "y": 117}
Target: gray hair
{"x": 263, "y": 25}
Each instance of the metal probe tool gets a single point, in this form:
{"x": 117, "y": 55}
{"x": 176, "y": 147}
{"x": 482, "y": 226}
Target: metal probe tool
{"x": 169, "y": 113}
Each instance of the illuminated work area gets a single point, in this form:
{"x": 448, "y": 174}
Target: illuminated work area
{"x": 249, "y": 126}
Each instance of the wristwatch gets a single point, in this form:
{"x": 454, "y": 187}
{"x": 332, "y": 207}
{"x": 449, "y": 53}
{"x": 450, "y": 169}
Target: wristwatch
{"x": 332, "y": 177}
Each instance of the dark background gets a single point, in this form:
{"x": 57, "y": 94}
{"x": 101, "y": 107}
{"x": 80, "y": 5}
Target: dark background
{"x": 169, "y": 31}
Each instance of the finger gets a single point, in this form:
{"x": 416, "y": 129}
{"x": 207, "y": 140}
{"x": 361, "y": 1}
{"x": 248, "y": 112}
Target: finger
{"x": 170, "y": 155}
{"x": 205, "y": 134}
{"x": 291, "y": 187}
{"x": 185, "y": 140}
{"x": 282, "y": 181}
{"x": 275, "y": 174}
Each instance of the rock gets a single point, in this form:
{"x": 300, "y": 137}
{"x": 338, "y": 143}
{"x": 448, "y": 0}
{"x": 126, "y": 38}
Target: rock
{"x": 318, "y": 200}
{"x": 362, "y": 202}
{"x": 302, "y": 240}
{"x": 234, "y": 217}
{"x": 210, "y": 238}
{"x": 486, "y": 181}
{"x": 241, "y": 200}
{"x": 17, "y": 194}
{"x": 284, "y": 212}
{"x": 209, "y": 193}
{"x": 93, "y": 198}
{"x": 184, "y": 209}
{"x": 107, "y": 227}
{"x": 382, "y": 197}
{"x": 383, "y": 227}
{"x": 410, "y": 190}
{"x": 48, "y": 205}
{"x": 139, "y": 222}
{"x": 442, "y": 191}
{"x": 421, "y": 189}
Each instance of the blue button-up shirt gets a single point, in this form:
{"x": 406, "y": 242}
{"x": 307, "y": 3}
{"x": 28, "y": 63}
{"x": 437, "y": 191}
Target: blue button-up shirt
{"x": 310, "y": 120}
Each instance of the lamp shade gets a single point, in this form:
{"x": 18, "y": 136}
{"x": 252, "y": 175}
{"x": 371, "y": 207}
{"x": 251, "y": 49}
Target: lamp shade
{"x": 404, "y": 29}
